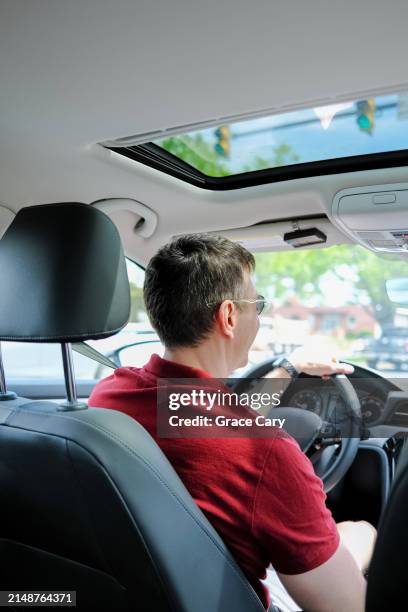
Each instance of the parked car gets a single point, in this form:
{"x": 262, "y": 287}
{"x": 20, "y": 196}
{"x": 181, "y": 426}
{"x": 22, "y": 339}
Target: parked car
{"x": 390, "y": 350}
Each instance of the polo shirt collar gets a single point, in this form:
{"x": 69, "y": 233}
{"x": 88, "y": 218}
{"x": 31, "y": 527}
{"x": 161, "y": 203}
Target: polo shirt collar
{"x": 164, "y": 368}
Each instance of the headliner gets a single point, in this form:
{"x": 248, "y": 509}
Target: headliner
{"x": 80, "y": 72}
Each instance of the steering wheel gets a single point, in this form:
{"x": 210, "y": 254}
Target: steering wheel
{"x": 335, "y": 449}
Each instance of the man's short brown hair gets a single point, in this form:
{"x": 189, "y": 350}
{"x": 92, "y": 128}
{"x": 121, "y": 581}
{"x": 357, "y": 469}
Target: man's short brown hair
{"x": 187, "y": 274}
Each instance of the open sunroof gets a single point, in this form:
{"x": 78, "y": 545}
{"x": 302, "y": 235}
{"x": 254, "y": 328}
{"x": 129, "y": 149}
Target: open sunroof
{"x": 361, "y": 134}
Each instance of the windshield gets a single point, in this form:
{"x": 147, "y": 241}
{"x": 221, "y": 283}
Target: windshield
{"x": 332, "y": 296}
{"x": 335, "y": 297}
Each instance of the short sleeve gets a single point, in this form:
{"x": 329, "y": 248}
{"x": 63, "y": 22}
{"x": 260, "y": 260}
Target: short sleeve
{"x": 290, "y": 519}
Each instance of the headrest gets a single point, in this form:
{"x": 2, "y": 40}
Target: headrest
{"x": 63, "y": 275}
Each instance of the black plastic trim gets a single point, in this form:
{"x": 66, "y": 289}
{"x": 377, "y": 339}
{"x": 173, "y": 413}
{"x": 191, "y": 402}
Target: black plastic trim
{"x": 385, "y": 476}
{"x": 155, "y": 157}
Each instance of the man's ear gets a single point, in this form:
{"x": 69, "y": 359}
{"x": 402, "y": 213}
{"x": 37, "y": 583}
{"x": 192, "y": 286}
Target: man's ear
{"x": 226, "y": 318}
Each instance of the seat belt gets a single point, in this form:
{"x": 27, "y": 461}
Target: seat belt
{"x": 88, "y": 351}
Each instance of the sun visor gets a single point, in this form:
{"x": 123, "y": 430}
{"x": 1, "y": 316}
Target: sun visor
{"x": 277, "y": 236}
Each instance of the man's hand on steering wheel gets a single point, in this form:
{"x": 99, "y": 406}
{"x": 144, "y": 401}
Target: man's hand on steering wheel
{"x": 317, "y": 362}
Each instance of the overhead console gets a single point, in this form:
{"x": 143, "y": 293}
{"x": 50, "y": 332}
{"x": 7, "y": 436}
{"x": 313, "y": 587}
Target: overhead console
{"x": 375, "y": 216}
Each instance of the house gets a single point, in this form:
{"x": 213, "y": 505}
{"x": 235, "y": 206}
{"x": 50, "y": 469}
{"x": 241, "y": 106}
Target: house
{"x": 330, "y": 320}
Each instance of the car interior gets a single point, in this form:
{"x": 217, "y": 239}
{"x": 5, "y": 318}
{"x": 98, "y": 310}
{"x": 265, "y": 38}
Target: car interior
{"x": 282, "y": 126}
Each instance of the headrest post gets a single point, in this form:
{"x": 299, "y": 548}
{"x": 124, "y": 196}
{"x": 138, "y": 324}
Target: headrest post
{"x": 69, "y": 376}
{"x": 4, "y": 394}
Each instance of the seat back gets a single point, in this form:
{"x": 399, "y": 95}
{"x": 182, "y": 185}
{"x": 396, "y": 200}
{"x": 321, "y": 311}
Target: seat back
{"x": 89, "y": 501}
{"x": 387, "y": 579}
{"x": 92, "y": 505}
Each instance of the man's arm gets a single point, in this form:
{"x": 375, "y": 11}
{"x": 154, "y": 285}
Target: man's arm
{"x": 293, "y": 525}
{"x": 335, "y": 586}
{"x": 316, "y": 364}
{"x": 313, "y": 362}
{"x": 359, "y": 538}
{"x": 338, "y": 583}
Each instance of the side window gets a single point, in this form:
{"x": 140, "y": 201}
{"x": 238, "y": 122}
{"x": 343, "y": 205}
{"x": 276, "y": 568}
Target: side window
{"x": 133, "y": 345}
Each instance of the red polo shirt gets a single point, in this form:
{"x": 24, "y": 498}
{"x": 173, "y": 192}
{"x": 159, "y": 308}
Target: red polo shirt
{"x": 261, "y": 495}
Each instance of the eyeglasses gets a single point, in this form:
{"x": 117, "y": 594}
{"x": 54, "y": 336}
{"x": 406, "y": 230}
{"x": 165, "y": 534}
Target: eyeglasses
{"x": 260, "y": 302}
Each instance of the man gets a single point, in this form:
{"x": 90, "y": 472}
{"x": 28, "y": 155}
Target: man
{"x": 260, "y": 494}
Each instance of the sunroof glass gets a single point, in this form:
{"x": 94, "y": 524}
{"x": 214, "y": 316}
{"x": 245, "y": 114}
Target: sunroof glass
{"x": 372, "y": 125}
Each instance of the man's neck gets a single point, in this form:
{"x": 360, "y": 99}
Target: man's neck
{"x": 210, "y": 361}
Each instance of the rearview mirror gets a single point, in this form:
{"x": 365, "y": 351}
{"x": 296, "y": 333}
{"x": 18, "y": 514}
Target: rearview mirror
{"x": 397, "y": 290}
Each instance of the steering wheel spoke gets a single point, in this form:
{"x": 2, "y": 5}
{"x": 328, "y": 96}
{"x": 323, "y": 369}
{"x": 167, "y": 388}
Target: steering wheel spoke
{"x": 329, "y": 435}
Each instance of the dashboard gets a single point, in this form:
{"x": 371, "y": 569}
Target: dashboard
{"x": 324, "y": 399}
{"x": 384, "y": 401}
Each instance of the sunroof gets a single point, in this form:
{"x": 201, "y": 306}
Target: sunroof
{"x": 361, "y": 127}
{"x": 363, "y": 134}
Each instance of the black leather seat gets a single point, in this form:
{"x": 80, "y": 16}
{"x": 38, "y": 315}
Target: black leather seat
{"x": 387, "y": 579}
{"x": 88, "y": 501}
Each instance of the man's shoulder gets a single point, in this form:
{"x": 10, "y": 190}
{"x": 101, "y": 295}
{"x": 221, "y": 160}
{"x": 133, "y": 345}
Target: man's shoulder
{"x": 122, "y": 381}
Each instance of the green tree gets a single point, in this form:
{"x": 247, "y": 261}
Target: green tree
{"x": 282, "y": 155}
{"x": 199, "y": 153}
{"x": 306, "y": 270}
{"x": 136, "y": 303}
